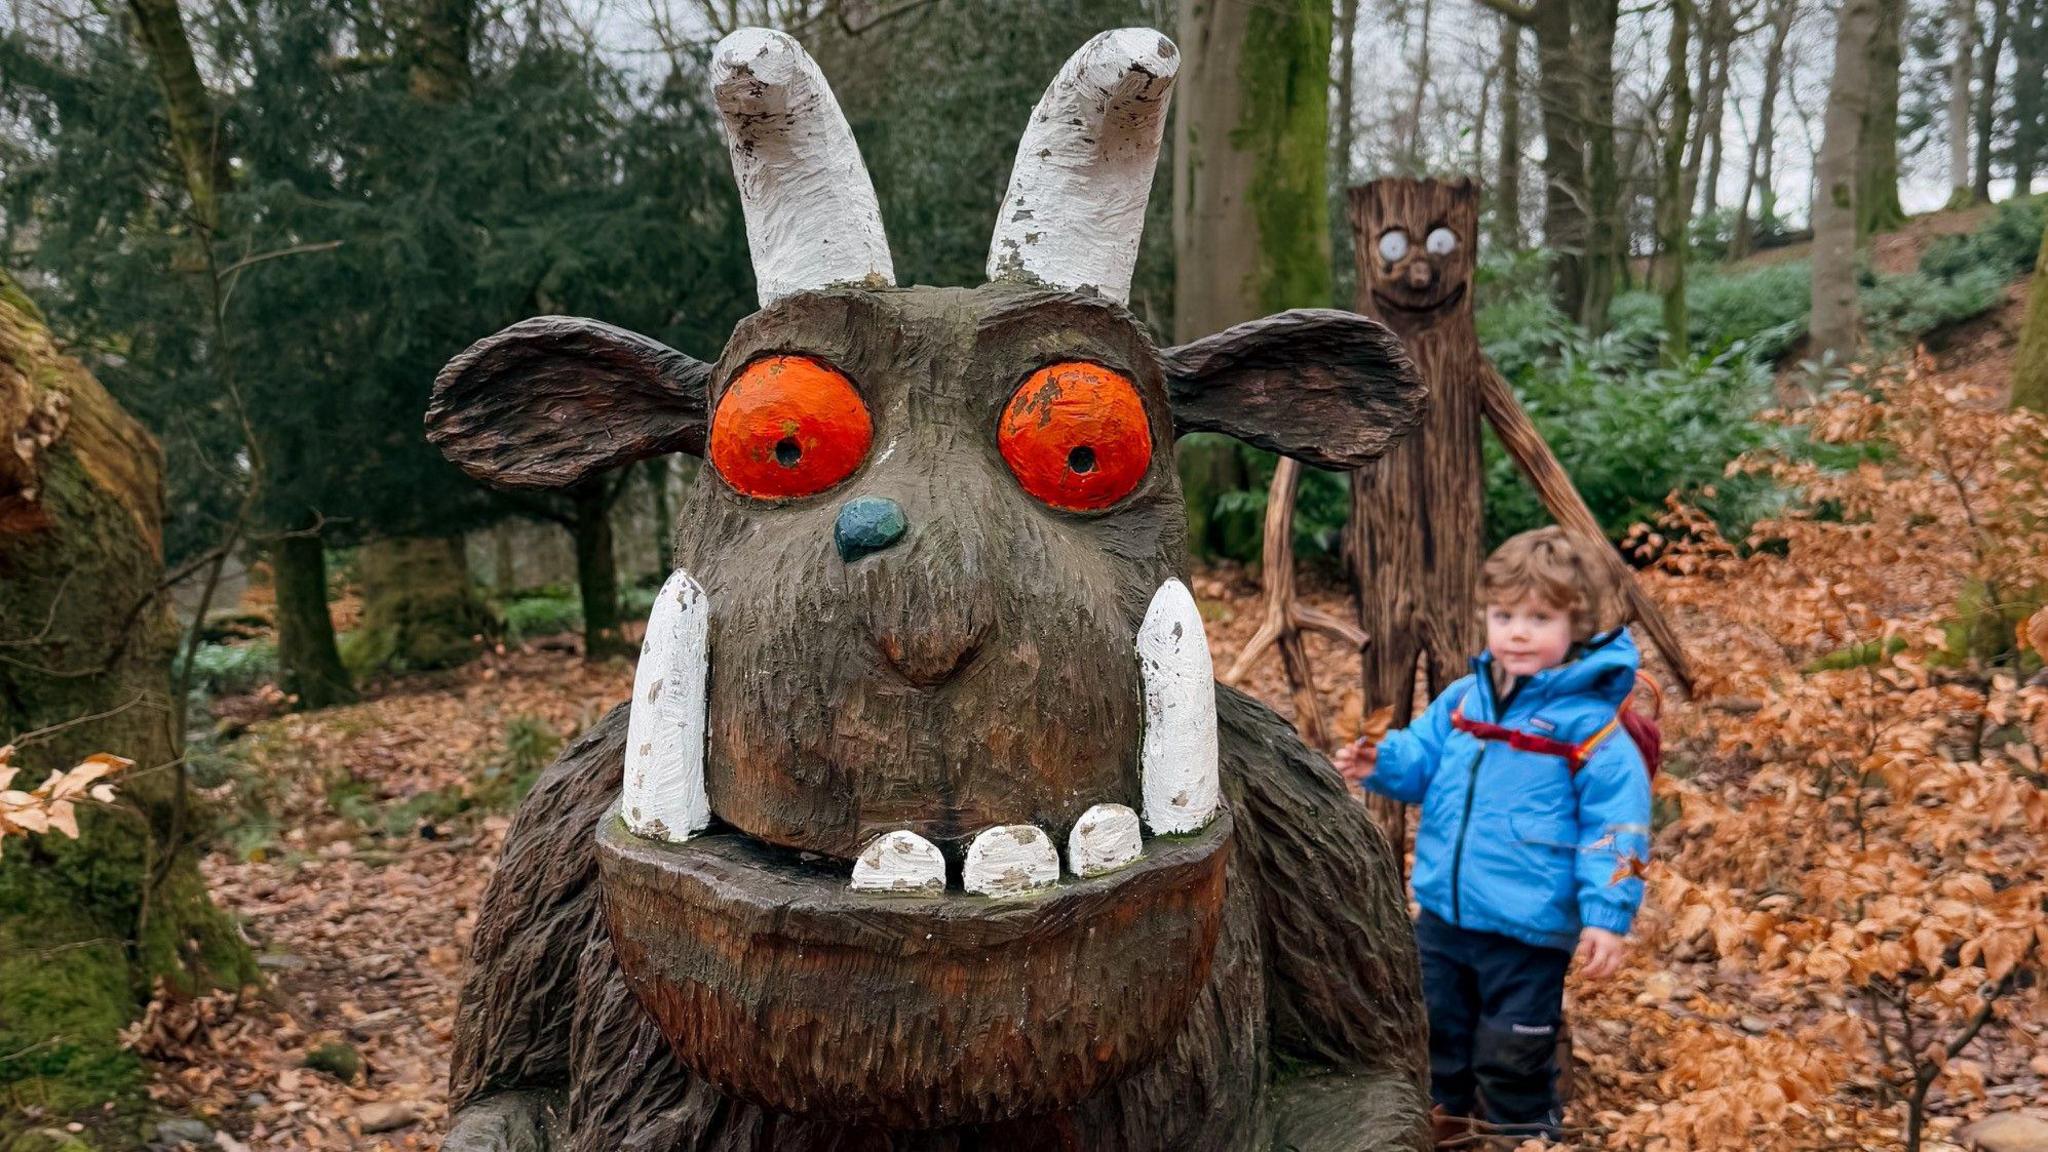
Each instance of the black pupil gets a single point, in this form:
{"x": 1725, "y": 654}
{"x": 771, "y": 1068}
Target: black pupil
{"x": 788, "y": 452}
{"x": 1082, "y": 460}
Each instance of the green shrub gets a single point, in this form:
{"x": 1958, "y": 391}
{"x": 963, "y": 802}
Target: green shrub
{"x": 1898, "y": 310}
{"x": 2007, "y": 243}
{"x": 542, "y": 614}
{"x": 637, "y": 600}
{"x": 231, "y": 669}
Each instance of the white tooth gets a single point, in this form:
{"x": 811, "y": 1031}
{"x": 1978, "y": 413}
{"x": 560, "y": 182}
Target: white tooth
{"x": 1178, "y": 757}
{"x": 1104, "y": 839}
{"x": 899, "y": 862}
{"x": 1009, "y": 859}
{"x": 664, "y": 792}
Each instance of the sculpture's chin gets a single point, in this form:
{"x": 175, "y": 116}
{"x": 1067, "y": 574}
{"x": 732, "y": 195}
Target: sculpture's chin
{"x": 1437, "y": 305}
{"x": 780, "y": 985}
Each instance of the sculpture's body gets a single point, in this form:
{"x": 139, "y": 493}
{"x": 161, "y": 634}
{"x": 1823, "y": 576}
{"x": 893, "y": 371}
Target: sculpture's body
{"x": 862, "y": 864}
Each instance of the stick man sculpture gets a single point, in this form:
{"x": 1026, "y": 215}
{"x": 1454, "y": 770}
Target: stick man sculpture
{"x": 927, "y": 826}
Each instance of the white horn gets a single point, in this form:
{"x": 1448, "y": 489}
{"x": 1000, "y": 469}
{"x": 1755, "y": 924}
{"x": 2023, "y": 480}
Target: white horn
{"x": 664, "y": 796}
{"x": 1178, "y": 754}
{"x": 812, "y": 220}
{"x": 1076, "y": 205}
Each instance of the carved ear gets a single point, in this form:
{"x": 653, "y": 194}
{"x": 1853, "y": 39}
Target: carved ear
{"x": 1333, "y": 389}
{"x": 555, "y": 400}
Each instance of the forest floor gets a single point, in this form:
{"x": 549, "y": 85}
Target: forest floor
{"x": 1848, "y": 856}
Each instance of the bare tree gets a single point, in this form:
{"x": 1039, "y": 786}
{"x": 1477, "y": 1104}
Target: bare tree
{"x": 1962, "y": 15}
{"x": 1987, "y": 96}
{"x": 1835, "y": 324}
{"x": 1761, "y": 157}
{"x": 1673, "y": 205}
{"x": 1507, "y": 201}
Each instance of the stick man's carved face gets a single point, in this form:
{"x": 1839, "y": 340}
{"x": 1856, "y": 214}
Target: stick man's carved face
{"x": 925, "y": 661}
{"x": 1424, "y": 255}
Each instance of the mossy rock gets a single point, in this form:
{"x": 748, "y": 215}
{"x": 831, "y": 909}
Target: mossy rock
{"x": 47, "y": 1140}
{"x": 337, "y": 1060}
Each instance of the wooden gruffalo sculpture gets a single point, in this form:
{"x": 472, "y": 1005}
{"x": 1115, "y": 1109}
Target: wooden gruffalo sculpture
{"x": 927, "y": 826}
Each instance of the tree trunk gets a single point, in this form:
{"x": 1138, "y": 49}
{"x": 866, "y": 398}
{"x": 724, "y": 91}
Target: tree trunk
{"x": 187, "y": 108}
{"x": 597, "y": 574}
{"x": 1706, "y": 28}
{"x": 1673, "y": 206}
{"x": 1987, "y": 96}
{"x": 438, "y": 49}
{"x": 1559, "y": 88}
{"x": 1507, "y": 207}
{"x": 420, "y": 610}
{"x": 1417, "y": 515}
{"x": 1835, "y": 323}
{"x": 308, "y": 662}
{"x": 1717, "y": 96}
{"x": 88, "y": 925}
{"x": 1963, "y": 19}
{"x": 1414, "y": 149}
{"x": 2030, "y": 365}
{"x": 663, "y": 512}
{"x": 2029, "y": 34}
{"x": 1760, "y": 157}
{"x": 1341, "y": 160}
{"x": 1251, "y": 133}
{"x": 1607, "y": 228}
{"x": 1877, "y": 155}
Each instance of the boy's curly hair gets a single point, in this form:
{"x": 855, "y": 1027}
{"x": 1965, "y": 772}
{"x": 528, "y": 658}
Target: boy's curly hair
{"x": 1556, "y": 568}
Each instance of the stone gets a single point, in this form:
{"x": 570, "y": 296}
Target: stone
{"x": 184, "y": 1130}
{"x": 385, "y": 1116}
{"x": 2007, "y": 1132}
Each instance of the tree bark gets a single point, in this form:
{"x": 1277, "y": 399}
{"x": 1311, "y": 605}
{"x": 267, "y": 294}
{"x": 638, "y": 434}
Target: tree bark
{"x": 1417, "y": 513}
{"x": 1673, "y": 205}
{"x": 437, "y": 46}
{"x": 1835, "y": 325}
{"x": 1706, "y": 30}
{"x": 1606, "y": 233}
{"x": 1987, "y": 96}
{"x": 2030, "y": 365}
{"x": 420, "y": 609}
{"x": 1422, "y": 46}
{"x": 1760, "y": 157}
{"x": 308, "y": 661}
{"x": 188, "y": 109}
{"x": 1507, "y": 207}
{"x": 597, "y": 574}
{"x": 87, "y": 926}
{"x": 2029, "y": 34}
{"x": 1877, "y": 154}
{"x": 1963, "y": 21}
{"x": 1560, "y": 100}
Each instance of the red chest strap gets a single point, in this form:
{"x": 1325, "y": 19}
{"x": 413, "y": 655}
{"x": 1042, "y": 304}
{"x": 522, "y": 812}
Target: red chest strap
{"x": 1575, "y": 755}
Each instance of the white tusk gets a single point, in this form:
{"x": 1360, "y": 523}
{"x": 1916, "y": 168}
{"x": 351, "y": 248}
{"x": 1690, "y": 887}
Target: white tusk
{"x": 1009, "y": 859}
{"x": 1178, "y": 757}
{"x": 1104, "y": 839}
{"x": 812, "y": 218}
{"x": 665, "y": 734}
{"x": 899, "y": 861}
{"x": 1075, "y": 210}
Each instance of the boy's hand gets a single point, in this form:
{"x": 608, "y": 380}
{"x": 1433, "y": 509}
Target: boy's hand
{"x": 1356, "y": 760}
{"x": 1600, "y": 953}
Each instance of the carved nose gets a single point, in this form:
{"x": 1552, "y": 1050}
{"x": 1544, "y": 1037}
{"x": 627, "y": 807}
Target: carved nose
{"x": 866, "y": 526}
{"x": 1421, "y": 275}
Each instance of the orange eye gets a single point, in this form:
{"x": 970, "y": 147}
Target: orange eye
{"x": 1075, "y": 436}
{"x": 789, "y": 426}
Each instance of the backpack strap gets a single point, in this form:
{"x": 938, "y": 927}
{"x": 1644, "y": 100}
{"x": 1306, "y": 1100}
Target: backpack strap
{"x": 1574, "y": 755}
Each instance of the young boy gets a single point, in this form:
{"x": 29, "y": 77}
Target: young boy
{"x": 1521, "y": 853}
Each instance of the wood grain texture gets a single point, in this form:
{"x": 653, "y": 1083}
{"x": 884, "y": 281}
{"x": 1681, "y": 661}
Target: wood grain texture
{"x": 1417, "y": 518}
{"x": 555, "y": 400}
{"x": 1332, "y": 389}
{"x": 1314, "y": 960}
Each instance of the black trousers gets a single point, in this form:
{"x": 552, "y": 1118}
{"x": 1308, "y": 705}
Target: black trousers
{"x": 1494, "y": 1008}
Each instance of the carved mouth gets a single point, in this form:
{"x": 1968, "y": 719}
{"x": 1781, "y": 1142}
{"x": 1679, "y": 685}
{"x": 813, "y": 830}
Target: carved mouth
{"x": 895, "y": 996}
{"x": 1443, "y": 304}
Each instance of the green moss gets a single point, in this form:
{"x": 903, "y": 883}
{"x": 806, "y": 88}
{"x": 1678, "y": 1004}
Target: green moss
{"x": 1284, "y": 77}
{"x": 1859, "y": 655}
{"x": 337, "y": 1060}
{"x": 65, "y": 994}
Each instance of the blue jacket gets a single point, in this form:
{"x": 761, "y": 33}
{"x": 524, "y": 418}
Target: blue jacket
{"x": 1511, "y": 841}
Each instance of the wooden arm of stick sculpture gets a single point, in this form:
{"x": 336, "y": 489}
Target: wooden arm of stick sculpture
{"x": 1285, "y": 617}
{"x": 1554, "y": 486}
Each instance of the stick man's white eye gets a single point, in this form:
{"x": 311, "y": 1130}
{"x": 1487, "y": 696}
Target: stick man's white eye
{"x": 1440, "y": 242}
{"x": 1393, "y": 245}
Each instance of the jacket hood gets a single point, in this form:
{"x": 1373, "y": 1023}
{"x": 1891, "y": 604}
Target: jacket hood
{"x": 1604, "y": 670}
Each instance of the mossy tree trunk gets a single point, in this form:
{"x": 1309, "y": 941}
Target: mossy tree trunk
{"x": 2030, "y": 368}
{"x": 88, "y": 926}
{"x": 420, "y": 609}
{"x": 307, "y": 660}
{"x": 1877, "y": 155}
